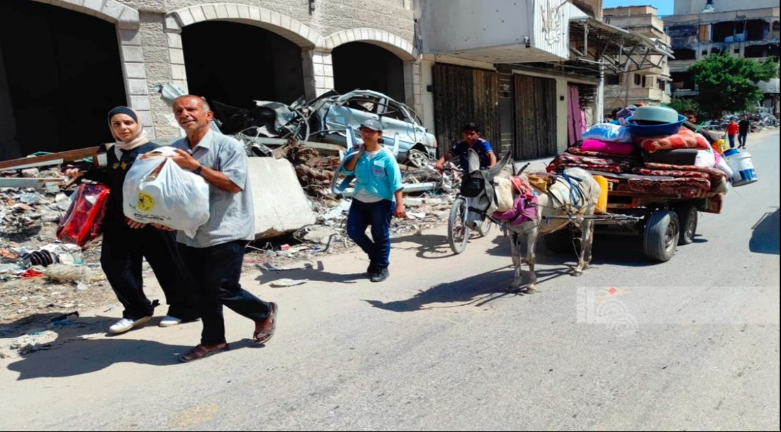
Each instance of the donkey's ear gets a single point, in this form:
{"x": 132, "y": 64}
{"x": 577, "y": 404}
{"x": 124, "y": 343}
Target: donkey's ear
{"x": 474, "y": 161}
{"x": 497, "y": 169}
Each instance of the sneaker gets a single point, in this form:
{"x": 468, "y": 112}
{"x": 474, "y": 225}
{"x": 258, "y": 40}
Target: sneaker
{"x": 372, "y": 270}
{"x": 381, "y": 275}
{"x": 126, "y": 324}
{"x": 170, "y": 321}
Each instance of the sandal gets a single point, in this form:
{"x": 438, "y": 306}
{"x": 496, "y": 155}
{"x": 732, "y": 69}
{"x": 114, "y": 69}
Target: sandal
{"x": 266, "y": 332}
{"x": 201, "y": 352}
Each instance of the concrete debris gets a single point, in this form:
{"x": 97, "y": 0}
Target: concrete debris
{"x": 319, "y": 235}
{"x": 73, "y": 274}
{"x": 31, "y": 173}
{"x": 285, "y": 283}
{"x": 34, "y": 341}
{"x": 280, "y": 204}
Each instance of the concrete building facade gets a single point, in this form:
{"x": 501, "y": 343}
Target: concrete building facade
{"x": 693, "y": 7}
{"x": 737, "y": 28}
{"x": 528, "y": 70}
{"x": 649, "y": 85}
{"x": 238, "y": 46}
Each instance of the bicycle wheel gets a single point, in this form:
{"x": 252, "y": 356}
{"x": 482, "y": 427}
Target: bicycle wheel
{"x": 457, "y": 231}
{"x": 485, "y": 228}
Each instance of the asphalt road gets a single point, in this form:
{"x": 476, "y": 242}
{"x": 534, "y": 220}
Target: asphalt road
{"x": 689, "y": 344}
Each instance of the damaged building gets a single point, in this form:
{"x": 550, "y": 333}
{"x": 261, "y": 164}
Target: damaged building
{"x": 701, "y": 28}
{"x": 531, "y": 72}
{"x": 651, "y": 84}
{"x": 82, "y": 57}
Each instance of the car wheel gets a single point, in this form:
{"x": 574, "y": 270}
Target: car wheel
{"x": 419, "y": 159}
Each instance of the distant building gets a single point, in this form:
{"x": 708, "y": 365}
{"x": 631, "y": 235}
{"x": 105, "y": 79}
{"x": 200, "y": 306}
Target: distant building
{"x": 704, "y": 27}
{"x": 648, "y": 84}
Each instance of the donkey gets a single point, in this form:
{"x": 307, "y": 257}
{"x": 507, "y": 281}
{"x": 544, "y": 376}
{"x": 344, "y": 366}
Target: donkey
{"x": 574, "y": 195}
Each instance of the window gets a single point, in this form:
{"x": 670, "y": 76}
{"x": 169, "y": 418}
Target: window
{"x": 364, "y": 103}
{"x": 685, "y": 54}
{"x": 638, "y": 80}
{"x": 396, "y": 112}
{"x": 612, "y": 80}
{"x": 756, "y": 51}
{"x": 661, "y": 84}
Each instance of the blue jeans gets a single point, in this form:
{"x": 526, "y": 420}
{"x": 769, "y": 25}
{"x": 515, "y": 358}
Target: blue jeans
{"x": 377, "y": 215}
{"x": 732, "y": 141}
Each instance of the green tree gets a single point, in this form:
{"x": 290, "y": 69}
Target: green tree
{"x": 683, "y": 104}
{"x": 729, "y": 83}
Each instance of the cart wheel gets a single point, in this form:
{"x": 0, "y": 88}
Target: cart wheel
{"x": 562, "y": 241}
{"x": 661, "y": 235}
{"x": 688, "y": 218}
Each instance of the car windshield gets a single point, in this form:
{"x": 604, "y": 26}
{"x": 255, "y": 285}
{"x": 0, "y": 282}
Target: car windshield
{"x": 396, "y": 112}
{"x": 364, "y": 103}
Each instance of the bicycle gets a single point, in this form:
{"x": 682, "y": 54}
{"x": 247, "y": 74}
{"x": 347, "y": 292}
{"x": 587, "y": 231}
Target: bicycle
{"x": 458, "y": 233}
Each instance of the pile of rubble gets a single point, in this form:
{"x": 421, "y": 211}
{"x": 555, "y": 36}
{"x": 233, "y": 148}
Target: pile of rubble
{"x": 40, "y": 274}
{"x": 37, "y": 272}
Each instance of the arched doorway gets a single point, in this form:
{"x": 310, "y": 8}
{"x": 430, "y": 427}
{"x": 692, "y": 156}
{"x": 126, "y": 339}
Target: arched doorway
{"x": 60, "y": 73}
{"x": 236, "y": 63}
{"x": 365, "y": 66}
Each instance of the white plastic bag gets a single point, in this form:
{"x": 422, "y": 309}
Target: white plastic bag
{"x": 705, "y": 158}
{"x": 726, "y": 169}
{"x": 608, "y": 132}
{"x": 169, "y": 196}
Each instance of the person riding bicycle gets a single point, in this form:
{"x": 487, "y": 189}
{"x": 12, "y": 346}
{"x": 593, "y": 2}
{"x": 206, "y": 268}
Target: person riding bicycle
{"x": 472, "y": 140}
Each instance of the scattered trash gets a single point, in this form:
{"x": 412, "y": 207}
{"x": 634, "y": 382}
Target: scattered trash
{"x": 53, "y": 254}
{"x": 317, "y": 234}
{"x": 34, "y": 341}
{"x": 32, "y": 274}
{"x": 64, "y": 320}
{"x": 285, "y": 283}
{"x": 31, "y": 173}
{"x": 284, "y": 247}
{"x": 42, "y": 258}
{"x": 10, "y": 268}
{"x": 67, "y": 316}
{"x": 270, "y": 268}
{"x": 69, "y": 273}
{"x": 8, "y": 255}
{"x": 30, "y": 197}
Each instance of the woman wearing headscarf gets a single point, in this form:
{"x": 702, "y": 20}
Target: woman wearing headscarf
{"x": 126, "y": 242}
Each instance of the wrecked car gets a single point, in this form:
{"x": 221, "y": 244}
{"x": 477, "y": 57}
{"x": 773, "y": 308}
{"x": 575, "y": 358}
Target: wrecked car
{"x": 326, "y": 119}
{"x": 332, "y": 115}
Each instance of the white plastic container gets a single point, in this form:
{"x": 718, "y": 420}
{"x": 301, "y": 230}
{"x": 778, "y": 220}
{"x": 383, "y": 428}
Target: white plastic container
{"x": 742, "y": 167}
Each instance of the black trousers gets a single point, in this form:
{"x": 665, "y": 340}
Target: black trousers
{"x": 742, "y": 138}
{"x": 122, "y": 257}
{"x": 217, "y": 271}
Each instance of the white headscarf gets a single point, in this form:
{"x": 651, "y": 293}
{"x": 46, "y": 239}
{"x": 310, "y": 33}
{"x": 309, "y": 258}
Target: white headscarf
{"x": 139, "y": 139}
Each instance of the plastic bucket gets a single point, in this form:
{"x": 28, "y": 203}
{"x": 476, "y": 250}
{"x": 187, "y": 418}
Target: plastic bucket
{"x": 742, "y": 167}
